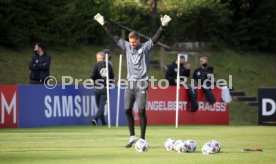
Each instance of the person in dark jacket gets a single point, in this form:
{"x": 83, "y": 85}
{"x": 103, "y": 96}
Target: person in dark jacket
{"x": 99, "y": 74}
{"x": 203, "y": 76}
{"x": 184, "y": 72}
{"x": 40, "y": 65}
{"x": 171, "y": 73}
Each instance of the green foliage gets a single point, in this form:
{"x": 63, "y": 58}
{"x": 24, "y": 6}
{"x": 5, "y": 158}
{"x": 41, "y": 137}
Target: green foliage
{"x": 53, "y": 22}
{"x": 78, "y": 21}
{"x": 248, "y": 24}
{"x": 26, "y": 21}
{"x": 131, "y": 14}
{"x": 253, "y": 24}
{"x": 199, "y": 21}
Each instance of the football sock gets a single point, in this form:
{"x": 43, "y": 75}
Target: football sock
{"x": 143, "y": 122}
{"x": 130, "y": 121}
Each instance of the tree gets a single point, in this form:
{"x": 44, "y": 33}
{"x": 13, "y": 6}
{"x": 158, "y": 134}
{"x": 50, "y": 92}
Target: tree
{"x": 152, "y": 5}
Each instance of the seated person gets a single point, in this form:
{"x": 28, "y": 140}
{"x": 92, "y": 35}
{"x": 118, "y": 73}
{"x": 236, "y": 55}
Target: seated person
{"x": 203, "y": 76}
{"x": 184, "y": 72}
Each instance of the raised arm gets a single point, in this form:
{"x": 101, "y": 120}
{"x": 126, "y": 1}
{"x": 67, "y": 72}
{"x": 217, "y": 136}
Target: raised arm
{"x": 110, "y": 33}
{"x": 157, "y": 35}
{"x": 119, "y": 41}
{"x": 164, "y": 22}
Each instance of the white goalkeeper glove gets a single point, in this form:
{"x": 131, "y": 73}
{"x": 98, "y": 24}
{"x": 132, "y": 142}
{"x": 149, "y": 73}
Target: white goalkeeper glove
{"x": 165, "y": 20}
{"x": 99, "y": 18}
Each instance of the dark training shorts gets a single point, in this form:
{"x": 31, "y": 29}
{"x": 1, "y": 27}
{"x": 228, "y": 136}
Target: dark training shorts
{"x": 136, "y": 91}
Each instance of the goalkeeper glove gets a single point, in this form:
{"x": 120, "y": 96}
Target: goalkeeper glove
{"x": 165, "y": 20}
{"x": 99, "y": 18}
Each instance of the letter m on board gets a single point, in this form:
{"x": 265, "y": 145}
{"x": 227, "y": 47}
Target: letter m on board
{"x": 8, "y": 106}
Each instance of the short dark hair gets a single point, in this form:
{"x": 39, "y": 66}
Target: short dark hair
{"x": 41, "y": 45}
{"x": 133, "y": 34}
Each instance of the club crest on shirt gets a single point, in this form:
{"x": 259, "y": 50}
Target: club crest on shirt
{"x": 135, "y": 58}
{"x": 103, "y": 72}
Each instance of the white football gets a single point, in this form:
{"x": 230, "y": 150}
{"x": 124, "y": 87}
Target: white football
{"x": 190, "y": 145}
{"x": 141, "y": 145}
{"x": 211, "y": 147}
{"x": 179, "y": 146}
{"x": 216, "y": 145}
{"x": 207, "y": 148}
{"x": 169, "y": 144}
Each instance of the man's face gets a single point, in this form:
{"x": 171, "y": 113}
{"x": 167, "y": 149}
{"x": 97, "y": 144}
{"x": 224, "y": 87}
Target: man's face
{"x": 182, "y": 60}
{"x": 134, "y": 42}
{"x": 37, "y": 49}
{"x": 99, "y": 57}
{"x": 203, "y": 61}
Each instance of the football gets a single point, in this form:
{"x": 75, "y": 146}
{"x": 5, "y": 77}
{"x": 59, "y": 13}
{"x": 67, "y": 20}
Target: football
{"x": 211, "y": 147}
{"x": 141, "y": 145}
{"x": 216, "y": 145}
{"x": 189, "y": 146}
{"x": 207, "y": 148}
{"x": 169, "y": 144}
{"x": 179, "y": 146}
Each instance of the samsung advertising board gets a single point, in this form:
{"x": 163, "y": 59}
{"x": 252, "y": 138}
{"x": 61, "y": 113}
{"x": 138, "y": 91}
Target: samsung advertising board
{"x": 40, "y": 106}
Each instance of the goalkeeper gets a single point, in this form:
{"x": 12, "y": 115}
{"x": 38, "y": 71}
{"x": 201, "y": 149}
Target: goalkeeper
{"x": 137, "y": 55}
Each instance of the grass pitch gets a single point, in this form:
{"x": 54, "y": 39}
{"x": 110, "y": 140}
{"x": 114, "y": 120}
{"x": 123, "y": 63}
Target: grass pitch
{"x": 85, "y": 144}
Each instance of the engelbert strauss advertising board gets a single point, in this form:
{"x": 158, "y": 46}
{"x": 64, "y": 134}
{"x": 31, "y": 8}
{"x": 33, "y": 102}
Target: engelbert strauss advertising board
{"x": 34, "y": 105}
